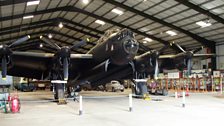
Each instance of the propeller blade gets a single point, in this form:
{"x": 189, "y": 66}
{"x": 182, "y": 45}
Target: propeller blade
{"x": 156, "y": 70}
{"x": 19, "y": 41}
{"x": 52, "y": 44}
{"x": 189, "y": 67}
{"x": 65, "y": 68}
{"x": 197, "y": 49}
{"x": 4, "y": 68}
{"x": 107, "y": 64}
{"x": 76, "y": 45}
{"x": 180, "y": 47}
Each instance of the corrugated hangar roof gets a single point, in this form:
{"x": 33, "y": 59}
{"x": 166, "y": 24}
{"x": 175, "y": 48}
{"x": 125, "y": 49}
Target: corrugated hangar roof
{"x": 147, "y": 18}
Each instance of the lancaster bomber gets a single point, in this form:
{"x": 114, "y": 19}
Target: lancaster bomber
{"x": 115, "y": 47}
{"x": 113, "y": 57}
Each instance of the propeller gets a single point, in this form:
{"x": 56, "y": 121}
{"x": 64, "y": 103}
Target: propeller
{"x": 154, "y": 55}
{"x": 54, "y": 45}
{"x": 63, "y": 54}
{"x": 65, "y": 68}
{"x": 19, "y": 41}
{"x": 156, "y": 70}
{"x": 5, "y": 53}
{"x": 188, "y": 57}
{"x": 189, "y": 66}
{"x": 198, "y": 49}
{"x": 4, "y": 67}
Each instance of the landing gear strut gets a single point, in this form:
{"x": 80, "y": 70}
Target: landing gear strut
{"x": 140, "y": 87}
{"x": 59, "y": 90}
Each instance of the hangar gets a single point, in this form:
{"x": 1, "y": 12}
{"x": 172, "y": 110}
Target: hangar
{"x": 154, "y": 46}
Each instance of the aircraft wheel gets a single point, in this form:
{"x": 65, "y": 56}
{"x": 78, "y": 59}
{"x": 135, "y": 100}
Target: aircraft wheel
{"x": 59, "y": 93}
{"x": 141, "y": 89}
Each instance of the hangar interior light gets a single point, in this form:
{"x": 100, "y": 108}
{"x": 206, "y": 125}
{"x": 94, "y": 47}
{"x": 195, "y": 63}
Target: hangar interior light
{"x": 27, "y": 17}
{"x": 85, "y": 1}
{"x": 171, "y": 33}
{"x": 30, "y": 3}
{"x": 60, "y": 25}
{"x": 100, "y": 22}
{"x": 146, "y": 40}
{"x": 41, "y": 45}
{"x": 203, "y": 24}
{"x": 50, "y": 36}
{"x": 117, "y": 11}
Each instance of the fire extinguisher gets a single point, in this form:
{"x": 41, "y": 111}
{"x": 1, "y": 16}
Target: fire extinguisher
{"x": 15, "y": 104}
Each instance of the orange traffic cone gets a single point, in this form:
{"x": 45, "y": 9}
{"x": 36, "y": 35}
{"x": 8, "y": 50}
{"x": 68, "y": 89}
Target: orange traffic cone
{"x": 187, "y": 91}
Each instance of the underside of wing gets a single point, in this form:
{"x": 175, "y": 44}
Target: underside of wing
{"x": 166, "y": 56}
{"x": 81, "y": 56}
{"x": 33, "y": 54}
{"x": 203, "y": 56}
{"x": 29, "y": 64}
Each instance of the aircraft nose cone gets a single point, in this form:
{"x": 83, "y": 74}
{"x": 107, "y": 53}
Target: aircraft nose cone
{"x": 131, "y": 46}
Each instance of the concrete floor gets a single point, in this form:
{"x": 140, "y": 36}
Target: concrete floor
{"x": 201, "y": 109}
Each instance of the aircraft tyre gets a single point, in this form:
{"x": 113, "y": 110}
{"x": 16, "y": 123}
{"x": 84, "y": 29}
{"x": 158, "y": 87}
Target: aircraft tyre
{"x": 141, "y": 88}
{"x": 59, "y": 93}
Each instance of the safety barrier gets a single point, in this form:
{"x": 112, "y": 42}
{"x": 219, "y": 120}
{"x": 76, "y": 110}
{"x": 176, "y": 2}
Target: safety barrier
{"x": 203, "y": 84}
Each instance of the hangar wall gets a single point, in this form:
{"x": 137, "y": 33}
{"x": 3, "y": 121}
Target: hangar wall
{"x": 220, "y": 59}
{"x": 198, "y": 63}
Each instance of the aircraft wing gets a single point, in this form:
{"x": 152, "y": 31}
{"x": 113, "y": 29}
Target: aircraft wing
{"x": 204, "y": 55}
{"x": 171, "y": 56}
{"x": 166, "y": 56}
{"x": 50, "y": 55}
{"x": 38, "y": 65}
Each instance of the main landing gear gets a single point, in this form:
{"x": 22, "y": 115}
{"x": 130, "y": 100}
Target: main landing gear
{"x": 59, "y": 89}
{"x": 140, "y": 87}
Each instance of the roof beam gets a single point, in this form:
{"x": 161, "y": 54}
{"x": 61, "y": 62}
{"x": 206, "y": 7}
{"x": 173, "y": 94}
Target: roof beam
{"x": 10, "y": 2}
{"x": 201, "y": 40}
{"x": 81, "y": 31}
{"x": 47, "y": 22}
{"x": 44, "y": 23}
{"x": 80, "y": 25}
{"x": 201, "y": 10}
{"x": 34, "y": 42}
{"x": 36, "y": 25}
{"x": 65, "y": 8}
{"x": 25, "y": 29}
{"x": 28, "y": 25}
{"x": 54, "y": 32}
{"x": 74, "y": 9}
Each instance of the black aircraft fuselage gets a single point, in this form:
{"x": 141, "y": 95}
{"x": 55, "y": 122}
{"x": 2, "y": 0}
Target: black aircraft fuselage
{"x": 114, "y": 49}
